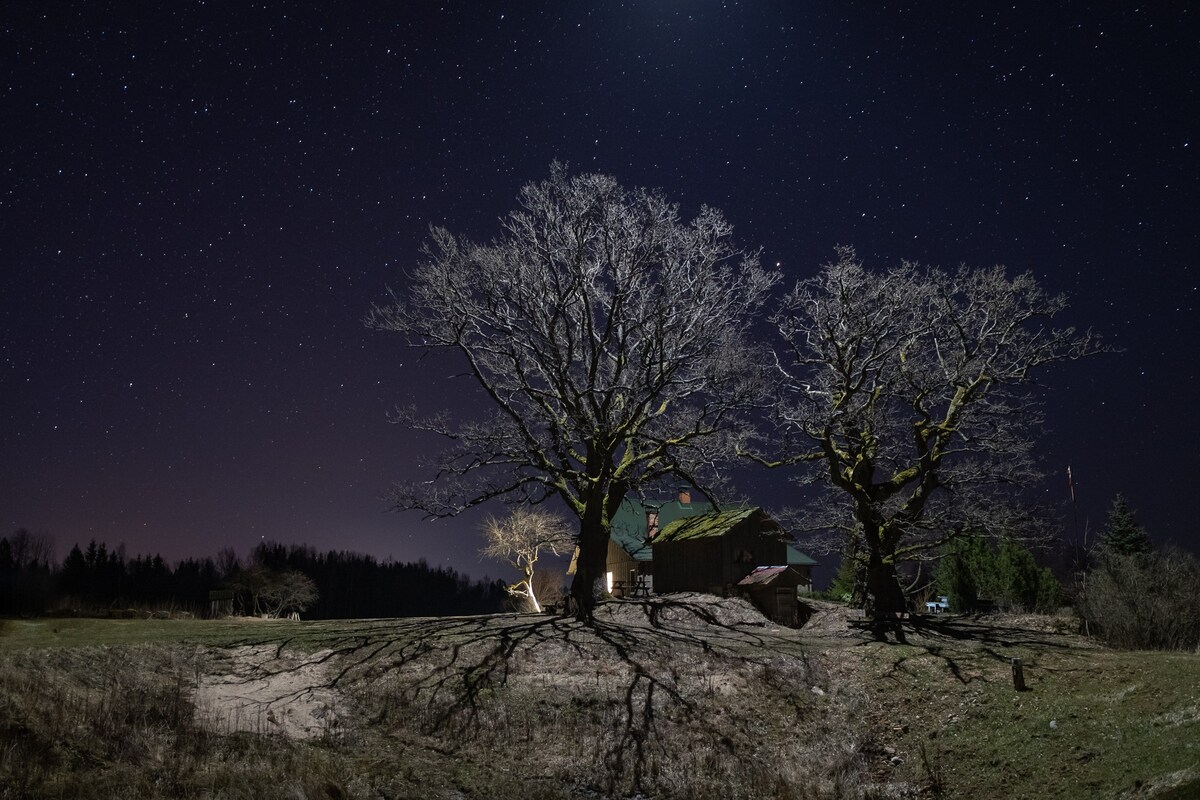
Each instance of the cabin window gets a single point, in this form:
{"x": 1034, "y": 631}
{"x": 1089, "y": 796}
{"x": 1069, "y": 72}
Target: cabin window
{"x": 743, "y": 556}
{"x": 608, "y": 580}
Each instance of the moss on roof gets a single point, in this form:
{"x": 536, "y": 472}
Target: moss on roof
{"x": 629, "y": 523}
{"x": 714, "y": 523}
{"x": 678, "y": 522}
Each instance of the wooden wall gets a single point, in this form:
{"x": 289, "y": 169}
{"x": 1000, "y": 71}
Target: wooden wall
{"x": 715, "y": 563}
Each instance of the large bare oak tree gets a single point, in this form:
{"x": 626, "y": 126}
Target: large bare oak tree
{"x": 609, "y": 337}
{"x": 907, "y": 392}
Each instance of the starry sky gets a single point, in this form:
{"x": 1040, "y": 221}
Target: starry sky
{"x": 199, "y": 202}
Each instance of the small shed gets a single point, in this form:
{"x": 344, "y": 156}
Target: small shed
{"x": 803, "y": 564}
{"x": 773, "y": 591}
{"x": 712, "y": 552}
{"x": 220, "y": 603}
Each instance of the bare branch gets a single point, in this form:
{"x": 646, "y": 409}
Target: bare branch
{"x": 913, "y": 384}
{"x": 609, "y": 335}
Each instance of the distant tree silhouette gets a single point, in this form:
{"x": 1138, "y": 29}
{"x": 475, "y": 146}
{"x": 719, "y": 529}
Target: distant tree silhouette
{"x": 330, "y": 585}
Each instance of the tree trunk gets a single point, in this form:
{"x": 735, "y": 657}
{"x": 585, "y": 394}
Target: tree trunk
{"x": 588, "y": 585}
{"x": 883, "y": 585}
{"x": 533, "y": 601}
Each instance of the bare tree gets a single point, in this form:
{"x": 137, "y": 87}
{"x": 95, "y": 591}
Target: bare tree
{"x": 608, "y": 336}
{"x": 228, "y": 563}
{"x": 520, "y": 539}
{"x": 286, "y": 590}
{"x": 908, "y": 394}
{"x": 29, "y": 549}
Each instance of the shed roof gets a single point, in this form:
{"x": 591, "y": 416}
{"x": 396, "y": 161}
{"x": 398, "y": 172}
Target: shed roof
{"x": 629, "y": 523}
{"x": 681, "y": 521}
{"x": 762, "y": 575}
{"x": 714, "y": 523}
{"x": 632, "y": 542}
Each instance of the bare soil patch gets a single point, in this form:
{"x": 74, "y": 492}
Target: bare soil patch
{"x": 268, "y": 690}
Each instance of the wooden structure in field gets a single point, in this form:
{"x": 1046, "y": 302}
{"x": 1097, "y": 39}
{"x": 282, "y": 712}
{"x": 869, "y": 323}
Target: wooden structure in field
{"x": 678, "y": 545}
{"x": 220, "y": 603}
{"x": 712, "y": 552}
{"x": 773, "y": 591}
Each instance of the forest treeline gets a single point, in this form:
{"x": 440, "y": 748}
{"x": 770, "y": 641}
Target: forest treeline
{"x": 95, "y": 578}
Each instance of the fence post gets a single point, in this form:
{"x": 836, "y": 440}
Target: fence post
{"x": 1018, "y": 675}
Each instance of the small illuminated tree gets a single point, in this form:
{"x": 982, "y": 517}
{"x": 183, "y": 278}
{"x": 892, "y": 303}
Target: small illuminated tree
{"x": 286, "y": 591}
{"x": 520, "y": 539}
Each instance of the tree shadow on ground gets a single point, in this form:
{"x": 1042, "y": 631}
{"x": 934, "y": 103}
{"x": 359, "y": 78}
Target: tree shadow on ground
{"x": 638, "y": 660}
{"x": 957, "y": 639}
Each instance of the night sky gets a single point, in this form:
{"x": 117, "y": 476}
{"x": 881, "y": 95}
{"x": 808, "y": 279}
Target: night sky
{"x": 200, "y": 201}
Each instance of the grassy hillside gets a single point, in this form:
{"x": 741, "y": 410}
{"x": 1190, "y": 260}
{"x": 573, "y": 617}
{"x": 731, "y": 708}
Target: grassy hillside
{"x": 689, "y": 697}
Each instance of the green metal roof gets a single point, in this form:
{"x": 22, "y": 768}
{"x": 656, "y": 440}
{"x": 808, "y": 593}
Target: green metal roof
{"x": 632, "y": 542}
{"x": 796, "y": 558}
{"x": 629, "y": 523}
{"x": 678, "y": 521}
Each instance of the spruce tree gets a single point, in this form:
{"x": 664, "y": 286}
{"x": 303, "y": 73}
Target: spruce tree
{"x": 845, "y": 581}
{"x": 1122, "y": 534}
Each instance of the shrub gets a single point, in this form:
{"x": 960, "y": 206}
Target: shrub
{"x": 1007, "y": 574}
{"x": 1144, "y": 601}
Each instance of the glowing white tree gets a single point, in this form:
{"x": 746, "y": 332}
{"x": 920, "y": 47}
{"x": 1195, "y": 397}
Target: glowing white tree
{"x": 521, "y": 538}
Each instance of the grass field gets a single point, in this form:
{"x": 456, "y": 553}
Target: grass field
{"x": 685, "y": 698}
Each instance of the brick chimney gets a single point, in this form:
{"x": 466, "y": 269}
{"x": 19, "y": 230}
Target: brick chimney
{"x": 685, "y": 496}
{"x": 651, "y": 523}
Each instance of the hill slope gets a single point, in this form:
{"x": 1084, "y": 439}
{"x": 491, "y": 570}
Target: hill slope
{"x": 685, "y": 696}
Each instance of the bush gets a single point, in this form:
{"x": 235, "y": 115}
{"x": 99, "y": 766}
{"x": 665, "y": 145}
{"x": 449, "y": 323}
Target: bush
{"x": 1145, "y": 601}
{"x": 1006, "y": 574}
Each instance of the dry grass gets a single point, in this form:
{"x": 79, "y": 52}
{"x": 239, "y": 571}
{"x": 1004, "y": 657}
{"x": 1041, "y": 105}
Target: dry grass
{"x": 120, "y": 723}
{"x": 945, "y": 717}
{"x": 692, "y": 697}
{"x": 668, "y": 700}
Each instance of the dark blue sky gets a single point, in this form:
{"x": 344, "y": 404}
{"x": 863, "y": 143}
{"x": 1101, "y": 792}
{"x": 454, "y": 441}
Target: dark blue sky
{"x": 199, "y": 202}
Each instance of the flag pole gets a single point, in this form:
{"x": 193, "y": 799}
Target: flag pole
{"x": 1079, "y": 545}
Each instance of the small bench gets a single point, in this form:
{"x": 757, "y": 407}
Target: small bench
{"x": 641, "y": 587}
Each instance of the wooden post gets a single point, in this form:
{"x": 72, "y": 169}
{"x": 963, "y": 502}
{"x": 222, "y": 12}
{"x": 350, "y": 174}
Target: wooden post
{"x": 1018, "y": 675}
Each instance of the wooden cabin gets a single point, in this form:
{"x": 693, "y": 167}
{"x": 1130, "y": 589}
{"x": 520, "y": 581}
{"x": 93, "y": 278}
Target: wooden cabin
{"x": 695, "y": 547}
{"x": 629, "y": 563}
{"x": 712, "y": 552}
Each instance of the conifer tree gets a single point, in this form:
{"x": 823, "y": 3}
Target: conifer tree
{"x": 1122, "y": 534}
